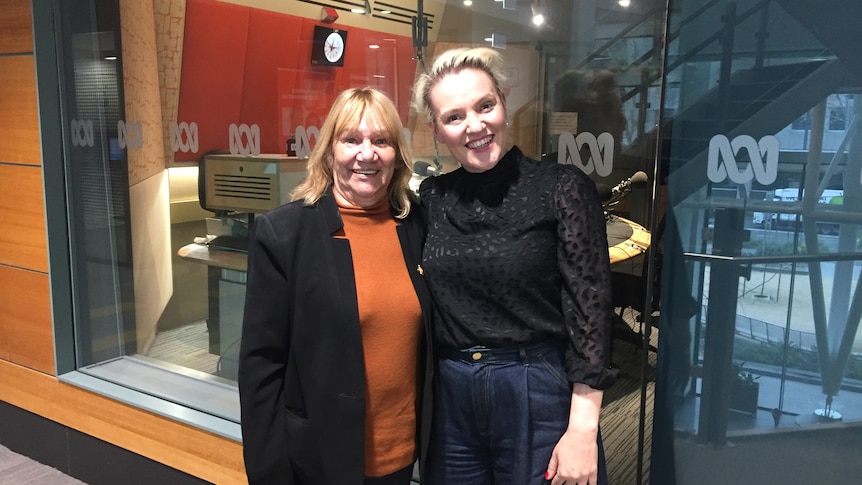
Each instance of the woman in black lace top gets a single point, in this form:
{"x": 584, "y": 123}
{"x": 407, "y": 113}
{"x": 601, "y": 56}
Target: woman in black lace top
{"x": 516, "y": 258}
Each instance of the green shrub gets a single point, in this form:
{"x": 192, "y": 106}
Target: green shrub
{"x": 802, "y": 359}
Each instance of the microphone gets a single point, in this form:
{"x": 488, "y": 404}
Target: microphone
{"x": 612, "y": 195}
{"x": 425, "y": 169}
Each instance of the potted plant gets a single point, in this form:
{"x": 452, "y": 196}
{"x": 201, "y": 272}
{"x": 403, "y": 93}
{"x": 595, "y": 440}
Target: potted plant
{"x": 744, "y": 391}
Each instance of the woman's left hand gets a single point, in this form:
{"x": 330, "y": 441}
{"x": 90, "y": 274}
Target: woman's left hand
{"x": 574, "y": 460}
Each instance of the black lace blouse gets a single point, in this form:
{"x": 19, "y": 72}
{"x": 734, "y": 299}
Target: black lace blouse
{"x": 518, "y": 254}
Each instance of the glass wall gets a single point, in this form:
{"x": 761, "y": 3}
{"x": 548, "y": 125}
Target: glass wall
{"x": 759, "y": 357}
{"x": 173, "y": 114}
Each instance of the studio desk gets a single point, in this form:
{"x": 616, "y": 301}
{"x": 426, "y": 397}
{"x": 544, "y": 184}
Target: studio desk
{"x": 626, "y": 241}
{"x": 226, "y": 277}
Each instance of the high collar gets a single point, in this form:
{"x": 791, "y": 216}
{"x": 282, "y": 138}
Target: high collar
{"x": 380, "y": 208}
{"x": 504, "y": 169}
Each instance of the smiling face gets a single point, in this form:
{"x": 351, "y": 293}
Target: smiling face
{"x": 470, "y": 118}
{"x": 363, "y": 164}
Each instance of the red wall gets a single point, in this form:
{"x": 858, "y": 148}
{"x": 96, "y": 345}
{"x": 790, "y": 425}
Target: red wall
{"x": 252, "y": 66}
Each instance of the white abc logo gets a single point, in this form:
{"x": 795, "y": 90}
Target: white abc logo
{"x": 82, "y": 133}
{"x": 720, "y": 148}
{"x": 303, "y": 145}
{"x": 601, "y": 152}
{"x": 184, "y": 137}
{"x": 130, "y": 134}
{"x": 251, "y": 146}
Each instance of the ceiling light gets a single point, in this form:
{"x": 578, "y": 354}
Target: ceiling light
{"x": 373, "y": 46}
{"x": 625, "y": 3}
{"x": 540, "y": 11}
{"x": 467, "y": 3}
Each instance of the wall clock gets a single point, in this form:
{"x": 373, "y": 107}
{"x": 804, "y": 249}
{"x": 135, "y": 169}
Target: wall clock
{"x": 328, "y": 46}
{"x": 333, "y": 47}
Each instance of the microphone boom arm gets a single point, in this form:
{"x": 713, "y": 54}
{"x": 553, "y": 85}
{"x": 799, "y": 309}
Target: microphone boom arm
{"x": 623, "y": 189}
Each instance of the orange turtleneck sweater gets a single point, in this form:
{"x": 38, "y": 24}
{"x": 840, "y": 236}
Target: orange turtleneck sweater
{"x": 390, "y": 322}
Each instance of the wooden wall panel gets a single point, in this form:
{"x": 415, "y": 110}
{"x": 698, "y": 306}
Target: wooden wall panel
{"x": 23, "y": 240}
{"x": 20, "y": 121}
{"x": 141, "y": 90}
{"x": 26, "y": 334}
{"x": 191, "y": 450}
{"x": 16, "y": 26}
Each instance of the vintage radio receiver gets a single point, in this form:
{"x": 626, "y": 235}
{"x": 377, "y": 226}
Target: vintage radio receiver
{"x": 248, "y": 184}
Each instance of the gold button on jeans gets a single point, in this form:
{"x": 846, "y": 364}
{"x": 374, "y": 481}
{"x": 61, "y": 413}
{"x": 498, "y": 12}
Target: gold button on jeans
{"x": 477, "y": 355}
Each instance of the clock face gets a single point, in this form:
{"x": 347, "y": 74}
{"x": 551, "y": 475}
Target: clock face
{"x": 327, "y": 46}
{"x": 333, "y": 47}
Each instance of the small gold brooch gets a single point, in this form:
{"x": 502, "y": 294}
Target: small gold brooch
{"x": 420, "y": 270}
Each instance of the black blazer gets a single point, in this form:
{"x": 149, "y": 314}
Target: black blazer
{"x": 301, "y": 370}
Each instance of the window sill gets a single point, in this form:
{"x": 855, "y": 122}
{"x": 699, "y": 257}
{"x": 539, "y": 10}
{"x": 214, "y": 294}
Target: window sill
{"x": 191, "y": 397}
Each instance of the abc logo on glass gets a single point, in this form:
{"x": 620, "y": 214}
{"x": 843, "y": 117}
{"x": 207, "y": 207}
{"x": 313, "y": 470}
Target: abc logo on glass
{"x": 722, "y": 159}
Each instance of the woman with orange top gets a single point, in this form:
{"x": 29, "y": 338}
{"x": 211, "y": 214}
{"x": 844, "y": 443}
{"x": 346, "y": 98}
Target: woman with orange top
{"x": 332, "y": 355}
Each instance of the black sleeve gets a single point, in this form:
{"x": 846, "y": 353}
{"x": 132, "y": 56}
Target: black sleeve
{"x": 263, "y": 357}
{"x": 584, "y": 263}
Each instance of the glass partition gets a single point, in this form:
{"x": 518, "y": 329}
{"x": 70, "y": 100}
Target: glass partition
{"x": 759, "y": 353}
{"x": 163, "y": 146}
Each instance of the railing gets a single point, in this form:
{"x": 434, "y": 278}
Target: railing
{"x": 785, "y": 258}
{"x": 761, "y": 331}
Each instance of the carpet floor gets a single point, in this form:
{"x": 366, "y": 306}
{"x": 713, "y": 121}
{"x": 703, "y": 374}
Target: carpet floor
{"x": 17, "y": 469}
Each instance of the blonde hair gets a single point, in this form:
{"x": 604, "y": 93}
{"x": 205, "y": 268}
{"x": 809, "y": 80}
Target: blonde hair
{"x": 454, "y": 61}
{"x": 345, "y": 115}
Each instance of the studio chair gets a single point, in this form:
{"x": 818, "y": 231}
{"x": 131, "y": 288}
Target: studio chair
{"x": 629, "y": 291}
{"x": 629, "y": 295}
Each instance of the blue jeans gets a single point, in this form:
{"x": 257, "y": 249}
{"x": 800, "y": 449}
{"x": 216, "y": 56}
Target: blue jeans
{"x": 497, "y": 420}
